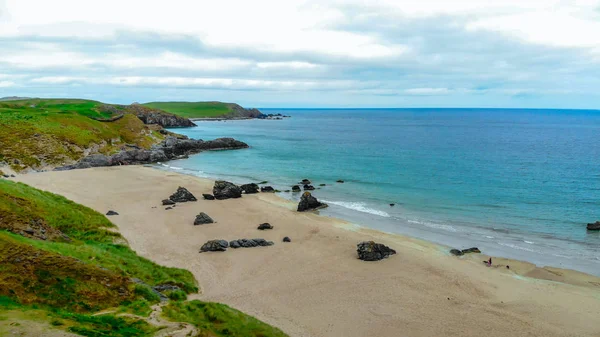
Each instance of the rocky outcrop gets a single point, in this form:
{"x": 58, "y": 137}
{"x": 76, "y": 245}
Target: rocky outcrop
{"x": 295, "y": 188}
{"x": 208, "y": 196}
{"x": 267, "y": 189}
{"x": 371, "y": 251}
{"x": 182, "y": 195}
{"x": 249, "y": 243}
{"x": 214, "y": 246}
{"x": 156, "y": 116}
{"x": 202, "y": 219}
{"x": 250, "y": 188}
{"x": 264, "y": 226}
{"x": 308, "y": 203}
{"x": 170, "y": 148}
{"x": 456, "y": 252}
{"x": 471, "y": 250}
{"x": 226, "y": 190}
{"x": 594, "y": 226}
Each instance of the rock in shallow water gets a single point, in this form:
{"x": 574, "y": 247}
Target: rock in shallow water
{"x": 594, "y": 226}
{"x": 202, "y": 219}
{"x": 267, "y": 189}
{"x": 214, "y": 246}
{"x": 308, "y": 202}
{"x": 182, "y": 195}
{"x": 456, "y": 252}
{"x": 471, "y": 250}
{"x": 226, "y": 190}
{"x": 295, "y": 188}
{"x": 371, "y": 251}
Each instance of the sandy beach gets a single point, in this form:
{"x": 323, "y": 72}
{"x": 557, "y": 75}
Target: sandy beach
{"x": 315, "y": 285}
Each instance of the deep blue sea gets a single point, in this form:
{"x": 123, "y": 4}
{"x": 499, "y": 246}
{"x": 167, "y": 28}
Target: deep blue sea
{"x": 516, "y": 183}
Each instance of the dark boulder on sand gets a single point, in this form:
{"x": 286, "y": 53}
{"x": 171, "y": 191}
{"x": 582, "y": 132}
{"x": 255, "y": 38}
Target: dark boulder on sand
{"x": 249, "y": 243}
{"x": 287, "y": 239}
{"x": 371, "y": 251}
{"x": 214, "y": 246}
{"x": 295, "y": 188}
{"x": 250, "y": 188}
{"x": 471, "y": 250}
{"x": 456, "y": 252}
{"x": 202, "y": 219}
{"x": 226, "y": 190}
{"x": 264, "y": 226}
{"x": 208, "y": 196}
{"x": 267, "y": 189}
{"x": 594, "y": 226}
{"x": 168, "y": 202}
{"x": 182, "y": 195}
{"x": 308, "y": 202}
{"x": 112, "y": 213}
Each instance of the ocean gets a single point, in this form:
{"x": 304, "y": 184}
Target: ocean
{"x": 520, "y": 184}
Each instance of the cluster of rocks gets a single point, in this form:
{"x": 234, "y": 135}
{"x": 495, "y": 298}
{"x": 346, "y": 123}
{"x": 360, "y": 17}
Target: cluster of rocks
{"x": 271, "y": 116}
{"x": 226, "y": 190}
{"x": 251, "y": 188}
{"x": 267, "y": 189}
{"x": 372, "y": 251}
{"x": 169, "y": 149}
{"x": 155, "y": 116}
{"x": 222, "y": 245}
{"x": 309, "y": 203}
{"x": 594, "y": 226}
{"x": 458, "y": 252}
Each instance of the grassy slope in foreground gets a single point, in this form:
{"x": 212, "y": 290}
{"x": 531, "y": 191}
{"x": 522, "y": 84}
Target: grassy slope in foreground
{"x": 83, "y": 267}
{"x": 39, "y": 132}
{"x": 194, "y": 109}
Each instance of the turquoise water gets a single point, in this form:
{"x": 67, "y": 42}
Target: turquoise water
{"x": 516, "y": 183}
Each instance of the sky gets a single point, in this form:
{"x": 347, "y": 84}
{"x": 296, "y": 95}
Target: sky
{"x": 293, "y": 53}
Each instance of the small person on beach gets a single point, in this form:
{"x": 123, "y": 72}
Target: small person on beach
{"x": 488, "y": 263}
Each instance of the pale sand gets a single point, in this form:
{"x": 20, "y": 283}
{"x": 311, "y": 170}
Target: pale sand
{"x": 316, "y": 286}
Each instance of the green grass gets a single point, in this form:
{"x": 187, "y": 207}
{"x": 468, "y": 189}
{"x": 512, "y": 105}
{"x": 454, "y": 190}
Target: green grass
{"x": 193, "y": 109}
{"x": 39, "y": 132}
{"x": 216, "y": 319}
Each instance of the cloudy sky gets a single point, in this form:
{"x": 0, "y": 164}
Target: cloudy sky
{"x": 289, "y": 53}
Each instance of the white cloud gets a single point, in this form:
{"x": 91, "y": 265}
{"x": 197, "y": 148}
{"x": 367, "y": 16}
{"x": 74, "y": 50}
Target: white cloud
{"x": 427, "y": 91}
{"x": 7, "y": 84}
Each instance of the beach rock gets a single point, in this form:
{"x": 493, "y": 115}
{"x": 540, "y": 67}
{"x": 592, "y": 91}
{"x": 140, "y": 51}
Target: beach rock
{"x": 305, "y": 182}
{"x": 471, "y": 250}
{"x": 182, "y": 195}
{"x": 340, "y": 181}
{"x": 214, "y": 246}
{"x": 392, "y": 205}
{"x": 208, "y": 196}
{"x": 226, "y": 190}
{"x": 322, "y": 185}
{"x": 287, "y": 239}
{"x": 202, "y": 219}
{"x": 267, "y": 189}
{"x": 250, "y": 188}
{"x": 249, "y": 243}
{"x": 456, "y": 252}
{"x": 112, "y": 213}
{"x": 295, "y": 188}
{"x": 234, "y": 244}
{"x": 594, "y": 226}
{"x": 309, "y": 187}
{"x": 308, "y": 202}
{"x": 167, "y": 202}
{"x": 12, "y": 175}
{"x": 371, "y": 251}
{"x": 168, "y": 208}
{"x": 264, "y": 226}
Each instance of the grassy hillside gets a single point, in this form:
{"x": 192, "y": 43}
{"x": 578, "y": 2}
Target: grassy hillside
{"x": 61, "y": 263}
{"x": 39, "y": 132}
{"x": 193, "y": 109}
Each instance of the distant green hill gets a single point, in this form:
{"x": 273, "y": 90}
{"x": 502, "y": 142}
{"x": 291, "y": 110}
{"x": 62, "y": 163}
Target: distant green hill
{"x": 204, "y": 109}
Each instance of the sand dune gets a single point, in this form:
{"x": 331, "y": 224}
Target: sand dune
{"x": 315, "y": 285}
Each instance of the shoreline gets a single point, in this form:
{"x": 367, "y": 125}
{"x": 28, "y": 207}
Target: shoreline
{"x": 315, "y": 286}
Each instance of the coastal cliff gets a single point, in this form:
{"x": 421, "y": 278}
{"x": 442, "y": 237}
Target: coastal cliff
{"x": 41, "y": 134}
{"x": 207, "y": 110}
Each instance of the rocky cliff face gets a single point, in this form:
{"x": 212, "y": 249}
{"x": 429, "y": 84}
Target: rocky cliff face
{"x": 238, "y": 111}
{"x": 170, "y": 148}
{"x": 155, "y": 116}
